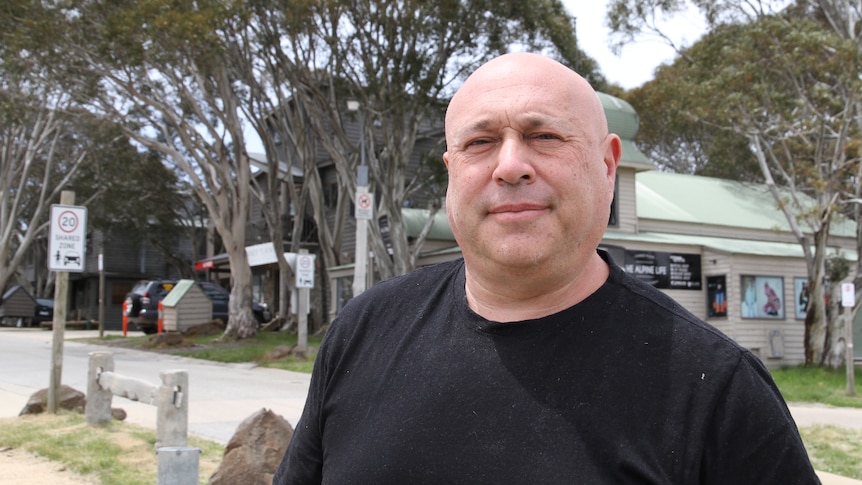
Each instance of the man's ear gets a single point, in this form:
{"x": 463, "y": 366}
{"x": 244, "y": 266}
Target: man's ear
{"x": 613, "y": 152}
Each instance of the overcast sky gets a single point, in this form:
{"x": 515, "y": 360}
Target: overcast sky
{"x": 638, "y": 60}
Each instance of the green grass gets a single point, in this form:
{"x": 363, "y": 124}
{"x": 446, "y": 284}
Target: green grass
{"x": 115, "y": 454}
{"x": 834, "y": 450}
{"x": 257, "y": 349}
{"x": 820, "y": 385}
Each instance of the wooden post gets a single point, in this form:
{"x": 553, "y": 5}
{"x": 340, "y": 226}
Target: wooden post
{"x": 61, "y": 290}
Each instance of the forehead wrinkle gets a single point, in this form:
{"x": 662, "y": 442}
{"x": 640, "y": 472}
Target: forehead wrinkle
{"x": 528, "y": 120}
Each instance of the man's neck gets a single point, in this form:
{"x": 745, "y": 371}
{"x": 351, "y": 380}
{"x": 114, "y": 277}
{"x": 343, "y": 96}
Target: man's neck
{"x": 512, "y": 295}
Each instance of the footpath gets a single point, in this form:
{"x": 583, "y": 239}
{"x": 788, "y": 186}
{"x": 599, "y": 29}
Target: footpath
{"x": 226, "y": 406}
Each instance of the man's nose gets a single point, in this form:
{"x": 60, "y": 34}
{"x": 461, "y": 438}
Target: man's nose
{"x": 514, "y": 165}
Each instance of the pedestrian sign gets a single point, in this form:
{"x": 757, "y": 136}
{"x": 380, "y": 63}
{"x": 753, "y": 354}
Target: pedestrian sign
{"x": 67, "y": 238}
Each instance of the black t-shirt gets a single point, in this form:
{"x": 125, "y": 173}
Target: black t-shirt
{"x": 411, "y": 387}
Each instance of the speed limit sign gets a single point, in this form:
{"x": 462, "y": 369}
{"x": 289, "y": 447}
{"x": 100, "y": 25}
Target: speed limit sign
{"x": 67, "y": 238}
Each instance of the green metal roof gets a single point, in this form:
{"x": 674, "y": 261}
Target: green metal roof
{"x": 709, "y": 201}
{"x": 414, "y": 221}
{"x": 722, "y": 244}
{"x": 177, "y": 293}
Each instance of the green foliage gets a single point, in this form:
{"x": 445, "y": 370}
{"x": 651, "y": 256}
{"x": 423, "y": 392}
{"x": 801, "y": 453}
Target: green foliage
{"x": 786, "y": 80}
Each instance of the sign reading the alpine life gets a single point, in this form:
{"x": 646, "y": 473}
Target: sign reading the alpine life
{"x": 669, "y": 271}
{"x": 67, "y": 238}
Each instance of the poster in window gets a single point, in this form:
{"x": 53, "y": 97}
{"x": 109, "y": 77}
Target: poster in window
{"x": 800, "y": 297}
{"x": 716, "y": 295}
{"x": 762, "y": 297}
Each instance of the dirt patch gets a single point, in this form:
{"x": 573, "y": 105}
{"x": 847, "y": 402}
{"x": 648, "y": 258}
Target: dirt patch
{"x": 169, "y": 342}
{"x": 20, "y": 467}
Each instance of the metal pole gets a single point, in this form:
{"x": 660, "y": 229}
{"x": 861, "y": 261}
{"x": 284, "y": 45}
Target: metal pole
{"x": 848, "y": 303}
{"x": 101, "y": 295}
{"x": 849, "y": 362}
{"x": 360, "y": 267}
{"x": 302, "y": 317}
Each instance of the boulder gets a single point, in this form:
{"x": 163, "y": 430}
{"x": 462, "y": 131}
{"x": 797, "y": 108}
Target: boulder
{"x": 67, "y": 398}
{"x": 254, "y": 452}
{"x": 279, "y": 352}
{"x": 166, "y": 339}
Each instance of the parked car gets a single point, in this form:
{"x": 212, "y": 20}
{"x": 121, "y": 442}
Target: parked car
{"x": 44, "y": 311}
{"x": 220, "y": 297}
{"x": 142, "y": 303}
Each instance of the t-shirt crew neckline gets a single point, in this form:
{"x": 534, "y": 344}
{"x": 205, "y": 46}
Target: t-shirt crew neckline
{"x": 578, "y": 312}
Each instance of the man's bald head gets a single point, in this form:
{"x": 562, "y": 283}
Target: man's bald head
{"x": 497, "y": 76}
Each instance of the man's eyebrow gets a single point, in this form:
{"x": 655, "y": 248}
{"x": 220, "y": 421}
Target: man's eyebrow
{"x": 482, "y": 124}
{"x": 472, "y": 127}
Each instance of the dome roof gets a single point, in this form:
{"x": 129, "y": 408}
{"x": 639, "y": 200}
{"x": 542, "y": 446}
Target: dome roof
{"x": 623, "y": 120}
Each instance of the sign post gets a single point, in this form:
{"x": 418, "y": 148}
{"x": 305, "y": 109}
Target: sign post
{"x": 848, "y": 301}
{"x": 67, "y": 238}
{"x": 304, "y": 281}
{"x": 364, "y": 213}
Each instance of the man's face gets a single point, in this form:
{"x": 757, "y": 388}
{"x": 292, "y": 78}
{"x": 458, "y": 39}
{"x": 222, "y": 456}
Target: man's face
{"x": 531, "y": 170}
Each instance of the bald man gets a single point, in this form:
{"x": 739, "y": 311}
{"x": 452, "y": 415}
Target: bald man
{"x": 534, "y": 359}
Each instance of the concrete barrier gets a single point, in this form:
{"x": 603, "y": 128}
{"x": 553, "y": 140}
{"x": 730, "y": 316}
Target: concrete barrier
{"x": 178, "y": 464}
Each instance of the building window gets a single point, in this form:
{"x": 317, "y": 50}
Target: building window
{"x": 344, "y": 292}
{"x": 330, "y": 195}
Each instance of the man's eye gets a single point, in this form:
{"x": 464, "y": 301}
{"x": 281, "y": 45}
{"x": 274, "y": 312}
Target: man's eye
{"x": 545, "y": 136}
{"x": 477, "y": 144}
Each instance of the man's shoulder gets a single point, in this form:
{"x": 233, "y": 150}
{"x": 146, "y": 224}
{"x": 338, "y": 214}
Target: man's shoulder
{"x": 423, "y": 283}
{"x": 659, "y": 309}
{"x": 416, "y": 282}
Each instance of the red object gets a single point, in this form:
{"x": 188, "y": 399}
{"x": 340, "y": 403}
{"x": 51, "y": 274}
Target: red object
{"x": 125, "y": 319}
{"x": 205, "y": 264}
{"x": 161, "y": 327}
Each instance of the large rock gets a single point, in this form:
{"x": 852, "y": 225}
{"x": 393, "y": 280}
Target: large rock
{"x": 254, "y": 451}
{"x": 67, "y": 398}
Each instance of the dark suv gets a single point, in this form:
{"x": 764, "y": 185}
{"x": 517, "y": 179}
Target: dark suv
{"x": 142, "y": 303}
{"x": 220, "y": 297}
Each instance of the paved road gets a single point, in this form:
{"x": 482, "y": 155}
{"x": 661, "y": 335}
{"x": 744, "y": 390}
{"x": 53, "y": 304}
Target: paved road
{"x": 220, "y": 395}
